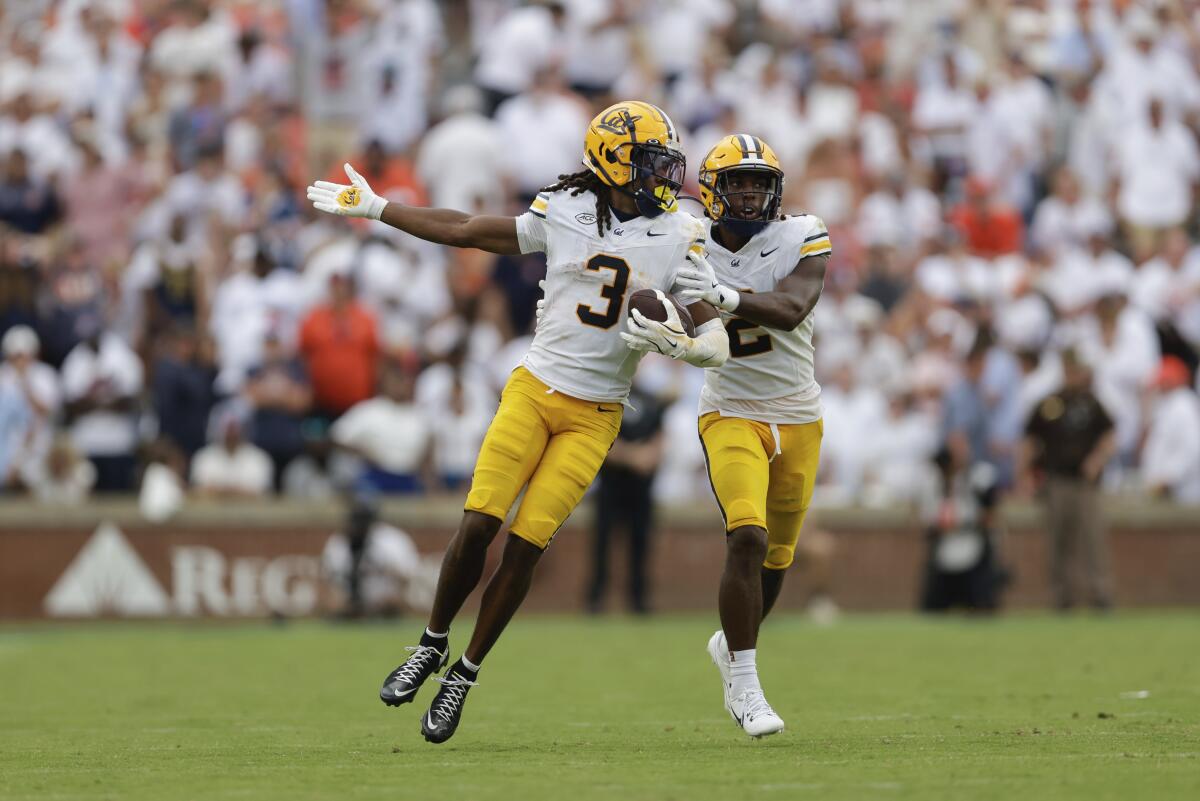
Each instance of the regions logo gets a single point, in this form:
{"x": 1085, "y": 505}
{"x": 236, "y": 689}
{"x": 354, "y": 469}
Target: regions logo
{"x": 585, "y": 218}
{"x": 349, "y": 197}
{"x": 107, "y": 576}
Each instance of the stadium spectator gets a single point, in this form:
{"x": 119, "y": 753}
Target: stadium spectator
{"x": 525, "y": 41}
{"x": 279, "y": 395}
{"x": 182, "y": 388}
{"x": 37, "y": 383}
{"x": 63, "y": 477}
{"x": 623, "y": 500}
{"x": 102, "y": 379}
{"x": 1158, "y": 174}
{"x": 962, "y": 569}
{"x": 390, "y": 435}
{"x": 230, "y": 467}
{"x": 27, "y": 204}
{"x": 461, "y": 159}
{"x": 338, "y": 341}
{"x": 1069, "y": 440}
{"x": 15, "y": 425}
{"x": 555, "y": 151}
{"x": 991, "y": 228}
{"x": 1171, "y": 459}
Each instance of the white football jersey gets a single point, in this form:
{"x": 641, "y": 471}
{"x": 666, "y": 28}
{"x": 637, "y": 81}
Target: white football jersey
{"x": 769, "y": 375}
{"x": 577, "y": 348}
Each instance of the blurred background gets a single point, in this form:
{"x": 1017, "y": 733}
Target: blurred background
{"x": 190, "y": 351}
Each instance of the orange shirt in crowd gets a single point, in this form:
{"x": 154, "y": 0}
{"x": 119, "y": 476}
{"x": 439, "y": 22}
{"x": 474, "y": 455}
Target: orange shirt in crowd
{"x": 340, "y": 350}
{"x": 991, "y": 231}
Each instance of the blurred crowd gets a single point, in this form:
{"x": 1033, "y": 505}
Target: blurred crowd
{"x": 1001, "y": 180}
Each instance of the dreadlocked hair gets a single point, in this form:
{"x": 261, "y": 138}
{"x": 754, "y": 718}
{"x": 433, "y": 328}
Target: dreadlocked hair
{"x": 587, "y": 181}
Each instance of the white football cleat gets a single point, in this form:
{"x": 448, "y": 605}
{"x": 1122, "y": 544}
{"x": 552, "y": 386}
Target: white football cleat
{"x": 719, "y": 651}
{"x": 754, "y": 714}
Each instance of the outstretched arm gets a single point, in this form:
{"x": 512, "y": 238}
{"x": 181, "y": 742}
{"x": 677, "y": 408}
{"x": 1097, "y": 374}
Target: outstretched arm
{"x": 441, "y": 226}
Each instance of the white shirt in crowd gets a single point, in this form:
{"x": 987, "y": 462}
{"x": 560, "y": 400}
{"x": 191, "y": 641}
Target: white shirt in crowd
{"x": 41, "y": 382}
{"x": 1060, "y": 226}
{"x": 247, "y": 469}
{"x": 555, "y": 149}
{"x": 117, "y": 370}
{"x": 1172, "y": 452}
{"x": 525, "y": 41}
{"x": 394, "y": 436}
{"x": 462, "y": 161}
{"x": 1158, "y": 168}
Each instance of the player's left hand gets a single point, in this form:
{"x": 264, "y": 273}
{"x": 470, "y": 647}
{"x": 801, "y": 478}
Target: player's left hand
{"x": 667, "y": 338}
{"x": 355, "y": 200}
{"x": 699, "y": 282}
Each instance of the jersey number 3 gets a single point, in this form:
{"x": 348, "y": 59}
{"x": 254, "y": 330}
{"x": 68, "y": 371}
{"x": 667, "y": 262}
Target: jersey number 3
{"x": 614, "y": 292}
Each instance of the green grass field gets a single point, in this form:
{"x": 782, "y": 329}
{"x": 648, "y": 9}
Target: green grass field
{"x": 891, "y": 707}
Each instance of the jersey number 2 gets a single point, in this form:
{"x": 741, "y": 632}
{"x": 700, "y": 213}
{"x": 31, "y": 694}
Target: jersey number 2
{"x": 738, "y": 347}
{"x": 614, "y": 292}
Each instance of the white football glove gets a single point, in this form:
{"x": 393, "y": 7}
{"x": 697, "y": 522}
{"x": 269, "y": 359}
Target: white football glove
{"x": 699, "y": 282}
{"x": 355, "y": 200}
{"x": 667, "y": 338}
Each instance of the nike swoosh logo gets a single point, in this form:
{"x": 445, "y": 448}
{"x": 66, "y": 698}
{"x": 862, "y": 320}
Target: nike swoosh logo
{"x": 652, "y": 233}
{"x": 602, "y": 409}
{"x": 429, "y": 721}
{"x": 766, "y": 253}
{"x": 399, "y": 694}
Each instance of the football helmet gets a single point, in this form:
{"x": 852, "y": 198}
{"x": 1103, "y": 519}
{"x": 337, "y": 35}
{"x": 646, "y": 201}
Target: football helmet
{"x": 630, "y": 142}
{"x": 731, "y": 155}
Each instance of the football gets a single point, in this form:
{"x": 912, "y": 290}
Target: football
{"x": 646, "y": 302}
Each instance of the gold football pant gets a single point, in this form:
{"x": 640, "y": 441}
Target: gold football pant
{"x": 553, "y": 442}
{"x": 763, "y": 476}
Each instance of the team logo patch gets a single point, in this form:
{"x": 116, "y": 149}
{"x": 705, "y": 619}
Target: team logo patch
{"x": 619, "y": 231}
{"x": 349, "y": 197}
{"x": 585, "y": 218}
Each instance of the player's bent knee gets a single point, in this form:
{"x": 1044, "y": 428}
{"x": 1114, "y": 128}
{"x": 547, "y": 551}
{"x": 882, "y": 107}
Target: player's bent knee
{"x": 747, "y": 543}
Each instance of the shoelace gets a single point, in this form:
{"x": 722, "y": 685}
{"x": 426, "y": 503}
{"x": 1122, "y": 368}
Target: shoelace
{"x": 417, "y": 662}
{"x": 756, "y": 705}
{"x": 451, "y": 699}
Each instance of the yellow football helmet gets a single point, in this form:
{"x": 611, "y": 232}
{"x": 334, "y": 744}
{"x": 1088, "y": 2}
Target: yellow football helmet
{"x": 732, "y": 154}
{"x": 628, "y": 143}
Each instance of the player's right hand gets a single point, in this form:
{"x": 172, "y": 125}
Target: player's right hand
{"x": 355, "y": 200}
{"x": 700, "y": 283}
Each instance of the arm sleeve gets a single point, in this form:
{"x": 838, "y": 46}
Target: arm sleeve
{"x": 532, "y": 229}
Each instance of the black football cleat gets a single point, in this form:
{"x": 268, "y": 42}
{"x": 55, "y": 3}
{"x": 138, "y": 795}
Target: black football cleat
{"x": 444, "y": 713}
{"x": 401, "y": 685}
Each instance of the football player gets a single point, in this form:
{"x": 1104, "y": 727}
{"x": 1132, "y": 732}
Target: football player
{"x": 760, "y": 412}
{"x": 607, "y": 231}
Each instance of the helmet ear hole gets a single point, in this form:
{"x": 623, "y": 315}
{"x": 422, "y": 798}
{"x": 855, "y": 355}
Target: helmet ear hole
{"x": 610, "y": 156}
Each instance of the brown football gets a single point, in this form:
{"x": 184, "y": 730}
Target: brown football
{"x": 646, "y": 302}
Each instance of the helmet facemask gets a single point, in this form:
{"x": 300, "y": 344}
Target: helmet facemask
{"x": 655, "y": 162}
{"x": 746, "y": 203}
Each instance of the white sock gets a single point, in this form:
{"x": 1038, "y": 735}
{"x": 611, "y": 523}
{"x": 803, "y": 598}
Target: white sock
{"x": 434, "y": 634}
{"x": 468, "y": 664}
{"x": 743, "y": 675}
